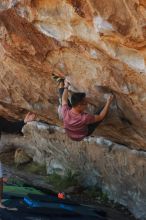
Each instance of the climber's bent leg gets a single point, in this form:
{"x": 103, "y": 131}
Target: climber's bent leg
{"x": 61, "y": 90}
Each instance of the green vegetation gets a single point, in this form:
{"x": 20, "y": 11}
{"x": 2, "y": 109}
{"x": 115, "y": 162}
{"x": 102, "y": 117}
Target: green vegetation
{"x": 21, "y": 191}
{"x": 60, "y": 183}
{"x": 34, "y": 168}
{"x": 97, "y": 194}
{"x": 15, "y": 181}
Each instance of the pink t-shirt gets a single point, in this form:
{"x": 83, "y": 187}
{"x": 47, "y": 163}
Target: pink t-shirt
{"x": 76, "y": 124}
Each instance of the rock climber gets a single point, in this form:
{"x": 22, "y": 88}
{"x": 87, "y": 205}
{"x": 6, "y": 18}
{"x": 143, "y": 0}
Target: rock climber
{"x": 11, "y": 127}
{"x": 77, "y": 123}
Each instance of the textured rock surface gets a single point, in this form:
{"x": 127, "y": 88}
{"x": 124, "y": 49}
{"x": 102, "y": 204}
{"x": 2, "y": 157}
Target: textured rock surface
{"x": 119, "y": 171}
{"x": 100, "y": 46}
{"x": 95, "y": 43}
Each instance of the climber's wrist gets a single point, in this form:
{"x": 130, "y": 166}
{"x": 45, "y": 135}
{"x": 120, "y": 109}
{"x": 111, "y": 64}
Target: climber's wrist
{"x": 66, "y": 85}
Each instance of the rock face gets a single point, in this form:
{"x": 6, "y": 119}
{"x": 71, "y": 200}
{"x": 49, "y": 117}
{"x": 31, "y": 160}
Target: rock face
{"x": 119, "y": 171}
{"x": 100, "y": 46}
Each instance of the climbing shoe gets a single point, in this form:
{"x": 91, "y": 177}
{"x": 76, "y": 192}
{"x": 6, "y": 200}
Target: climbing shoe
{"x": 57, "y": 78}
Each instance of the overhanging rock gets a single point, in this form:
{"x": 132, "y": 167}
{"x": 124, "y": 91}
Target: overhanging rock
{"x": 100, "y": 46}
{"x": 101, "y": 51}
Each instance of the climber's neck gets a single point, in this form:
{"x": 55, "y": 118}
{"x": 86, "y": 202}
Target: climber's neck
{"x": 77, "y": 110}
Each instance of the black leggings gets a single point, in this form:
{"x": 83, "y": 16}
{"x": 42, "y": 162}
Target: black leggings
{"x": 61, "y": 90}
{"x": 10, "y": 127}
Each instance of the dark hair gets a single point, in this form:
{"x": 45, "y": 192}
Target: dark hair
{"x": 77, "y": 98}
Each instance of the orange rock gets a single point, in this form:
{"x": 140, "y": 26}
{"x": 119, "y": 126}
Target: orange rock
{"x": 98, "y": 44}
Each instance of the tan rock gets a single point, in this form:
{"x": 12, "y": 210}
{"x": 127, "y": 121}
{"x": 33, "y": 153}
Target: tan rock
{"x": 100, "y": 46}
{"x": 96, "y": 43}
{"x": 21, "y": 157}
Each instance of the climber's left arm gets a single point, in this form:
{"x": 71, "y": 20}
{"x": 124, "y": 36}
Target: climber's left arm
{"x": 65, "y": 93}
